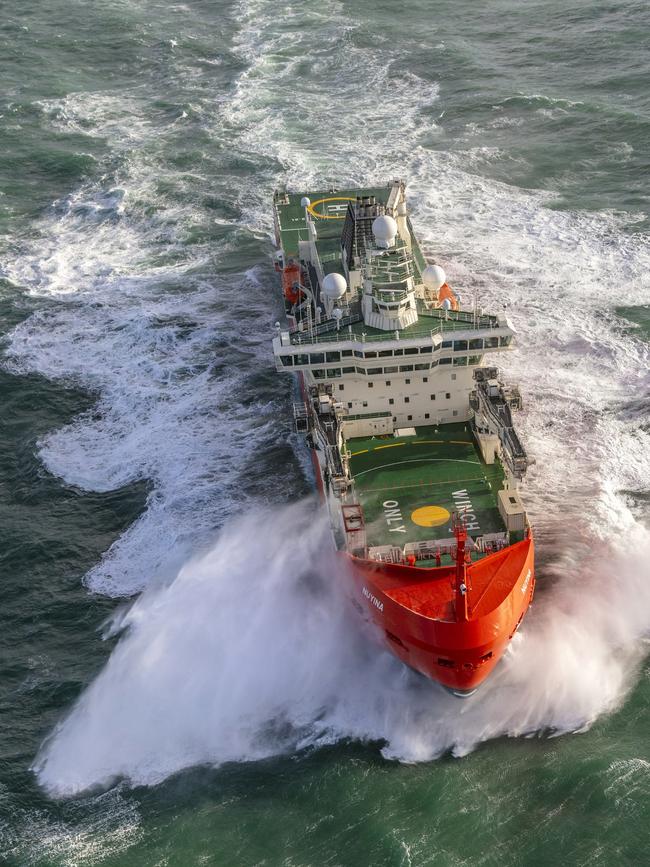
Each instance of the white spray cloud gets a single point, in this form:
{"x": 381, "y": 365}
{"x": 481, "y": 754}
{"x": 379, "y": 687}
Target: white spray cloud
{"x": 247, "y": 653}
{"x": 254, "y": 650}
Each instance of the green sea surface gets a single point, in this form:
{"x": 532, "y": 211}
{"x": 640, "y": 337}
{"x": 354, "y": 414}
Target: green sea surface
{"x": 231, "y": 715}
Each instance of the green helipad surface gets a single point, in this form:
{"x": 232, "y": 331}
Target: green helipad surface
{"x": 406, "y": 485}
{"x": 329, "y": 207}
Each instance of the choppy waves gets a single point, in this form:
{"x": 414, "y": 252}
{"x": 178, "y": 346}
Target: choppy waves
{"x": 143, "y": 304}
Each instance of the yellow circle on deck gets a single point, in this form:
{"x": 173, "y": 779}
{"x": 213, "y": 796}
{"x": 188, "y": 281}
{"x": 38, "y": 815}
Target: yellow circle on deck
{"x": 430, "y": 516}
{"x": 312, "y": 208}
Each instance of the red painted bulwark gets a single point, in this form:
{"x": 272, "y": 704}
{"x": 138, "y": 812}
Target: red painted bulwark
{"x": 415, "y": 608}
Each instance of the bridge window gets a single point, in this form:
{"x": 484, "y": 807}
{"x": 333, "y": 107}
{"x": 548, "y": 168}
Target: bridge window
{"x": 385, "y": 353}
{"x": 412, "y": 350}
{"x": 347, "y": 353}
{"x": 422, "y": 367}
{"x": 370, "y": 355}
{"x": 390, "y": 370}
{"x": 333, "y": 356}
{"x": 426, "y": 349}
{"x": 358, "y": 354}
{"x": 317, "y": 358}
{"x": 301, "y": 359}
{"x": 505, "y": 341}
{"x": 333, "y": 373}
{"x": 460, "y": 346}
{"x": 318, "y": 374}
{"x": 474, "y": 359}
{"x": 445, "y": 361}
{"x": 447, "y": 344}
{"x": 374, "y": 371}
{"x": 348, "y": 370}
{"x": 461, "y": 362}
{"x": 398, "y": 352}
{"x": 406, "y": 368}
{"x": 491, "y": 342}
{"x": 476, "y": 343}
{"x": 286, "y": 360}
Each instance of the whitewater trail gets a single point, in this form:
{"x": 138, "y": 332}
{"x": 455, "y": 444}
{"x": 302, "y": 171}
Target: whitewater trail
{"x": 251, "y": 650}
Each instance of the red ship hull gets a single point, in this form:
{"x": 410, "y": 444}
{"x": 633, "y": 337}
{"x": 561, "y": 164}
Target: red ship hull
{"x": 415, "y": 609}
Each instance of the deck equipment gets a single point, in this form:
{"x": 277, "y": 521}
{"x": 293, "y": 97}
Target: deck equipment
{"x": 410, "y": 430}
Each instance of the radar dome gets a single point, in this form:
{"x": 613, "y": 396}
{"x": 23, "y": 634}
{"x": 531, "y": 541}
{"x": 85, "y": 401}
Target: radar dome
{"x": 446, "y": 304}
{"x": 384, "y": 229}
{"x": 334, "y": 286}
{"x": 433, "y": 277}
{"x": 305, "y": 202}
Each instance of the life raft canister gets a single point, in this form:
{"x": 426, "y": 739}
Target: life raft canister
{"x": 290, "y": 276}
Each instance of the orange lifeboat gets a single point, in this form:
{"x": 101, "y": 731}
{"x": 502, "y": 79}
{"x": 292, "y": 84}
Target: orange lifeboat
{"x": 445, "y": 293}
{"x": 291, "y": 276}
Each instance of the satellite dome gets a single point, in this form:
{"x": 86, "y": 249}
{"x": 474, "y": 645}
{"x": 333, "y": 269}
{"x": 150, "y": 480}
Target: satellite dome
{"x": 384, "y": 229}
{"x": 433, "y": 277}
{"x": 334, "y": 286}
{"x": 446, "y": 304}
{"x": 305, "y": 202}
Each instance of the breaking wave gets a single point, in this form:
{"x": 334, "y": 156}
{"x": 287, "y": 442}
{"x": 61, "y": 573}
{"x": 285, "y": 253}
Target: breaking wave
{"x": 147, "y": 300}
{"x": 254, "y": 650}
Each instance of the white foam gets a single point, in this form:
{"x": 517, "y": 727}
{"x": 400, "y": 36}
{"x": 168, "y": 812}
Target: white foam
{"x": 253, "y": 650}
{"x": 561, "y": 276}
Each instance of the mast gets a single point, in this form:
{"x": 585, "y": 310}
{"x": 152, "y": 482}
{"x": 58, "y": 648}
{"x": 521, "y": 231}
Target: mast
{"x": 461, "y": 600}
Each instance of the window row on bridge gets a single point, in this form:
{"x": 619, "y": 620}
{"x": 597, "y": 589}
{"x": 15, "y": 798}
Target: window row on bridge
{"x": 335, "y": 372}
{"x": 300, "y": 359}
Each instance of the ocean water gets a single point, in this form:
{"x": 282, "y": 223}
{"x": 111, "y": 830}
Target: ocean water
{"x": 181, "y": 682}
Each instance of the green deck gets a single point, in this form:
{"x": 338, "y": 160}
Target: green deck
{"x": 292, "y": 226}
{"x": 420, "y": 471}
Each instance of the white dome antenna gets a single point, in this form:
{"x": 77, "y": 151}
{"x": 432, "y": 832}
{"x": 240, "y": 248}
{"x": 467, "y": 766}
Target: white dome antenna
{"x": 384, "y": 229}
{"x": 334, "y": 287}
{"x": 434, "y": 277}
{"x": 305, "y": 202}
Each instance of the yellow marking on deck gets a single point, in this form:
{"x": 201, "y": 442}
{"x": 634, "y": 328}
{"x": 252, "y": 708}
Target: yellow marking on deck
{"x": 428, "y": 442}
{"x": 460, "y": 442}
{"x": 362, "y": 452}
{"x": 390, "y": 446}
{"x": 430, "y": 516}
{"x": 320, "y": 216}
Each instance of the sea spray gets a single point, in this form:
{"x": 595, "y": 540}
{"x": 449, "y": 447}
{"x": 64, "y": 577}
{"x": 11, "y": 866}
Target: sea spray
{"x": 254, "y": 649}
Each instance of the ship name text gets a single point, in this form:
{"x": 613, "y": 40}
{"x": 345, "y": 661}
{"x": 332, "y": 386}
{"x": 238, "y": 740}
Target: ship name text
{"x": 378, "y": 605}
